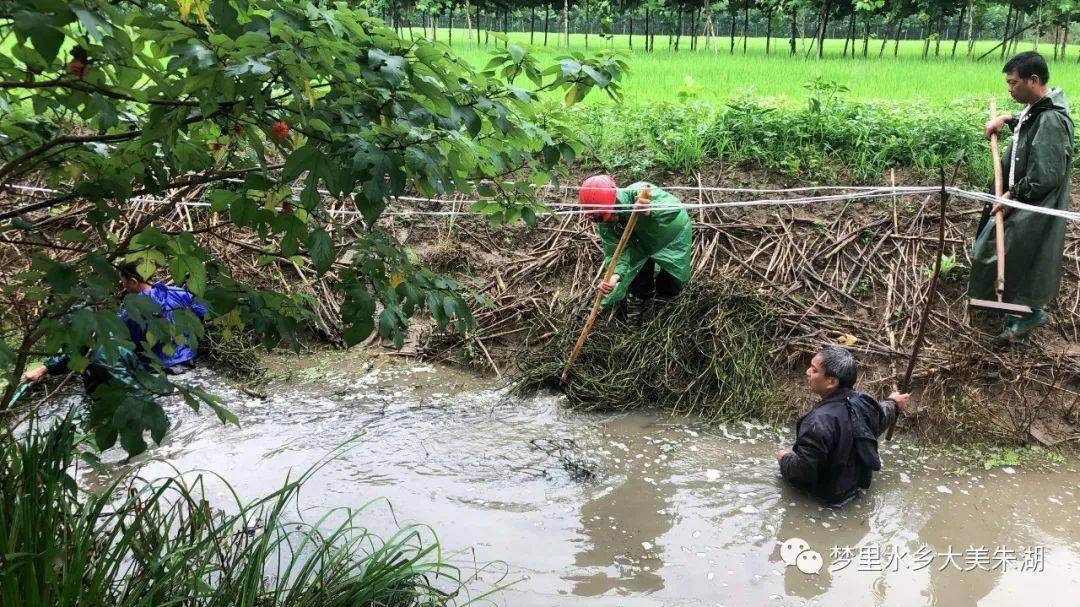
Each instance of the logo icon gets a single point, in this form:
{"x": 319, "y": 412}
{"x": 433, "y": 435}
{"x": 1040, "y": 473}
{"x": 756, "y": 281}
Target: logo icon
{"x": 809, "y": 562}
{"x": 796, "y": 551}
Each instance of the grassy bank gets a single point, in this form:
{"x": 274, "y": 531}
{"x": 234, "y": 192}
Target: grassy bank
{"x": 829, "y": 119}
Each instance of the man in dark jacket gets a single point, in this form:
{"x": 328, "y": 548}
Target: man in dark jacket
{"x": 1036, "y": 168}
{"x": 835, "y": 452}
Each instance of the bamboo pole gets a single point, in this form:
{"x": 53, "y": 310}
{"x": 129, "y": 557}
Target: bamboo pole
{"x": 931, "y": 292}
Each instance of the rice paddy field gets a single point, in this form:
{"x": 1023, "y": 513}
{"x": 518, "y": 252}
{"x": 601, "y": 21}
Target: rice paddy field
{"x": 717, "y": 74}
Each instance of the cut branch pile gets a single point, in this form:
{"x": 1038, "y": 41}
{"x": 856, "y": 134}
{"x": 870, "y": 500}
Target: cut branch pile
{"x": 704, "y": 353}
{"x": 851, "y": 273}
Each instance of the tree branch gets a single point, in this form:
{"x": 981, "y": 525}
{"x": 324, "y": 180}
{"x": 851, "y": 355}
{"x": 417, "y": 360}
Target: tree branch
{"x": 86, "y": 87}
{"x": 7, "y": 169}
{"x": 182, "y": 182}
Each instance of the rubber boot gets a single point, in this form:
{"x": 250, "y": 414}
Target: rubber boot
{"x": 1024, "y": 326}
{"x": 635, "y": 310}
{"x": 619, "y": 312}
{"x": 1018, "y": 329}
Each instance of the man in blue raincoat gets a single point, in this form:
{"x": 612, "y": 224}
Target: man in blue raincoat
{"x": 174, "y": 357}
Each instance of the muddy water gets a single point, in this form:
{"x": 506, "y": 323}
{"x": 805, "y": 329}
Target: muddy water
{"x": 591, "y": 509}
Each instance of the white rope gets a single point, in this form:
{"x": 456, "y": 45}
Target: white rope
{"x": 856, "y": 193}
{"x": 687, "y": 188}
{"x": 1016, "y": 204}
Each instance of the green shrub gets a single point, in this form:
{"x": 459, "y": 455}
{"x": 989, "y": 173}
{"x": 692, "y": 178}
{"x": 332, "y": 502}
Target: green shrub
{"x": 827, "y": 138}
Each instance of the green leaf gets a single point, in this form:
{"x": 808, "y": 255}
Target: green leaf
{"x": 387, "y": 322}
{"x": 21, "y": 223}
{"x": 191, "y": 271}
{"x": 300, "y": 160}
{"x": 220, "y": 200}
{"x": 598, "y": 78}
{"x": 256, "y": 66}
{"x": 45, "y": 38}
{"x": 226, "y": 416}
{"x": 104, "y": 437}
{"x": 214, "y": 403}
{"x": 321, "y": 250}
{"x": 529, "y": 216}
{"x": 575, "y": 94}
{"x": 318, "y": 125}
{"x": 357, "y": 312}
{"x": 61, "y": 277}
{"x": 73, "y": 236}
{"x": 92, "y": 460}
{"x": 95, "y": 25}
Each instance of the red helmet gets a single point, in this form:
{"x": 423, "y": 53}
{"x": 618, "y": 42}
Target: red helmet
{"x": 597, "y": 195}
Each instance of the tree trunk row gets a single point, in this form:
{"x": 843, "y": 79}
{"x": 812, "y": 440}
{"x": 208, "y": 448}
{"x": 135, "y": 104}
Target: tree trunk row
{"x": 939, "y": 26}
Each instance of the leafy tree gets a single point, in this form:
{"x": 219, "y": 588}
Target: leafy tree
{"x": 104, "y": 101}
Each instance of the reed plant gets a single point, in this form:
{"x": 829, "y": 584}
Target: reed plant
{"x": 162, "y": 542}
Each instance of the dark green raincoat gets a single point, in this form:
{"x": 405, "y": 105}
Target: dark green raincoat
{"x": 665, "y": 236}
{"x": 1034, "y": 243}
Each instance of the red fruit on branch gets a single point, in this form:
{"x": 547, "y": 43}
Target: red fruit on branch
{"x": 238, "y": 129}
{"x": 279, "y": 130}
{"x": 77, "y": 68}
{"x": 215, "y": 146}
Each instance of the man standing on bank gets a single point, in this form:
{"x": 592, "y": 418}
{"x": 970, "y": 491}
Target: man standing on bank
{"x": 836, "y": 449}
{"x": 656, "y": 261}
{"x": 1035, "y": 170}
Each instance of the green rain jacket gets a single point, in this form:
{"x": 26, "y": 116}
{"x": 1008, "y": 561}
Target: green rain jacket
{"x": 1034, "y": 243}
{"x": 665, "y": 236}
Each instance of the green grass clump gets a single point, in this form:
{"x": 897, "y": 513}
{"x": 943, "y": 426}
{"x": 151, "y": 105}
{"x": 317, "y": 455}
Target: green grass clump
{"x": 161, "y": 543}
{"x": 704, "y": 353}
{"x": 827, "y": 138}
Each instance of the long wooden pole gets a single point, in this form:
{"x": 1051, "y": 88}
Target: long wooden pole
{"x": 999, "y": 224}
{"x": 646, "y": 194}
{"x": 928, "y": 307}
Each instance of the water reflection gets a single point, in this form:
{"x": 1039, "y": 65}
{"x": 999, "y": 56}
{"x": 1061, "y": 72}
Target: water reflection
{"x": 804, "y": 519}
{"x": 623, "y": 524}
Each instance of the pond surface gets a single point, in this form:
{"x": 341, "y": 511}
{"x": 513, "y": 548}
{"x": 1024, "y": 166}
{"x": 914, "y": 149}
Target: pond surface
{"x": 638, "y": 509}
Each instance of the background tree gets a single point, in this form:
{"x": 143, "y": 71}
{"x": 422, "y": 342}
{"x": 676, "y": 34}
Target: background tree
{"x": 242, "y": 99}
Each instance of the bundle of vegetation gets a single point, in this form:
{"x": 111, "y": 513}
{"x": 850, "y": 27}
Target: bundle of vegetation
{"x": 233, "y": 349}
{"x": 705, "y": 353}
{"x": 161, "y": 542}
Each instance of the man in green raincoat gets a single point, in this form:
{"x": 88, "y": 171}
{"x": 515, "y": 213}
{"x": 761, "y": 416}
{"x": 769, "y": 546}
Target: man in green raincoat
{"x": 1035, "y": 169}
{"x": 656, "y": 261}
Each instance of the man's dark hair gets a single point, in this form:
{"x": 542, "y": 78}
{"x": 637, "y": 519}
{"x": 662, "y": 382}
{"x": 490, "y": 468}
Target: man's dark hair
{"x": 1028, "y": 64}
{"x": 130, "y": 269}
{"x": 837, "y": 362}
